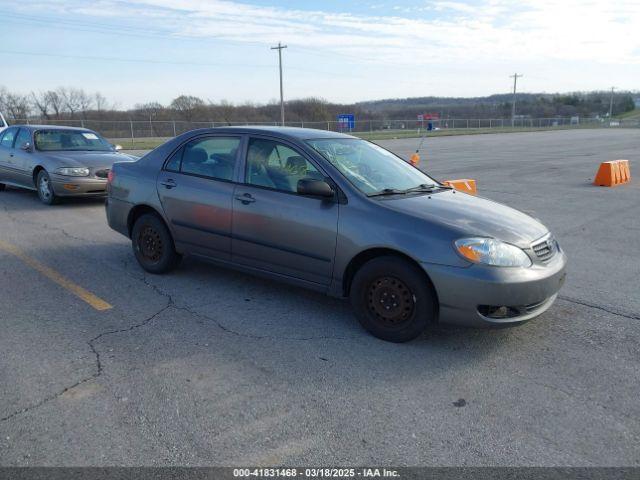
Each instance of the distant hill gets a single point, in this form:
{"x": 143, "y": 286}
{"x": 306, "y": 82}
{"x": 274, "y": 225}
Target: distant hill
{"x": 499, "y": 105}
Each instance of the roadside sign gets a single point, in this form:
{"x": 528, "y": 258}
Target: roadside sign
{"x": 346, "y": 121}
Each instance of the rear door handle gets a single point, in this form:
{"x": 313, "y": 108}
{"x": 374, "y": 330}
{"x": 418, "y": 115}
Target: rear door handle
{"x": 169, "y": 184}
{"x": 245, "y": 198}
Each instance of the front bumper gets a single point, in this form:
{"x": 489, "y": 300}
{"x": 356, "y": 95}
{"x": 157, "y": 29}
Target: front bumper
{"x": 64, "y": 186}
{"x": 464, "y": 292}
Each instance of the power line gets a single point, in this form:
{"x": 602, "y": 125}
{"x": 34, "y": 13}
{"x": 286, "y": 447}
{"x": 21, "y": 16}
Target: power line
{"x": 280, "y": 47}
{"x": 133, "y": 31}
{"x": 152, "y": 61}
{"x": 515, "y": 77}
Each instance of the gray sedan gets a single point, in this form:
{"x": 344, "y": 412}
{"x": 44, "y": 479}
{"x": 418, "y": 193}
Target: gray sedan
{"x": 56, "y": 161}
{"x": 339, "y": 215}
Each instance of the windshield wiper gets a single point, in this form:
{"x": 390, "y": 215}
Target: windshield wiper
{"x": 424, "y": 187}
{"x": 387, "y": 191}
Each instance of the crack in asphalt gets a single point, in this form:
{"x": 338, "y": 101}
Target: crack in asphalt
{"x": 98, "y": 364}
{"x": 189, "y": 309}
{"x": 619, "y": 313}
{"x": 46, "y": 226}
{"x": 99, "y": 368}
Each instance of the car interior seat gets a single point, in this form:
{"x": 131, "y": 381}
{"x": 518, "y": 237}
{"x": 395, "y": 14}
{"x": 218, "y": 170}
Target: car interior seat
{"x": 194, "y": 160}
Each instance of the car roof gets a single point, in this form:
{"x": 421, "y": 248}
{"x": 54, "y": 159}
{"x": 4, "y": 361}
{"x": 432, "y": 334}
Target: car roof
{"x": 51, "y": 127}
{"x": 296, "y": 133}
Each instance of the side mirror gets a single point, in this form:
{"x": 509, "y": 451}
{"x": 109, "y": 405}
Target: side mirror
{"x": 26, "y": 146}
{"x": 315, "y": 188}
{"x": 117, "y": 148}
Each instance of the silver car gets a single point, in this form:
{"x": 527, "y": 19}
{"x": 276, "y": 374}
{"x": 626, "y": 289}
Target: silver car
{"x": 339, "y": 215}
{"x": 56, "y": 161}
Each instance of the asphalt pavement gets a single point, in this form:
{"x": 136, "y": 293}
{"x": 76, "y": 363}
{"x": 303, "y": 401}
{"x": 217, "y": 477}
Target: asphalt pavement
{"x": 207, "y": 366}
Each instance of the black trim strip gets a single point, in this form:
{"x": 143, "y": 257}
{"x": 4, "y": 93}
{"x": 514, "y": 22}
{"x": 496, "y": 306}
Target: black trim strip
{"x": 276, "y": 247}
{"x": 251, "y": 240}
{"x": 225, "y": 252}
{"x": 200, "y": 229}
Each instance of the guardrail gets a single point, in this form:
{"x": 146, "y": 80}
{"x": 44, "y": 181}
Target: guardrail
{"x": 141, "y": 129}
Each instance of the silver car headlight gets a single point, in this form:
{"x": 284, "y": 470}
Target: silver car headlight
{"x": 490, "y": 251}
{"x": 73, "y": 171}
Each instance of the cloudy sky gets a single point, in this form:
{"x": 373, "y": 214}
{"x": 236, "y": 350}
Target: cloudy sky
{"x": 154, "y": 50}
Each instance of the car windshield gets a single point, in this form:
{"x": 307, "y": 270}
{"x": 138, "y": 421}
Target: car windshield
{"x": 74, "y": 140}
{"x": 370, "y": 168}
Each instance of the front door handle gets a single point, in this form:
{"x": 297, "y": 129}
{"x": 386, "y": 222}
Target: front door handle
{"x": 245, "y": 198}
{"x": 169, "y": 184}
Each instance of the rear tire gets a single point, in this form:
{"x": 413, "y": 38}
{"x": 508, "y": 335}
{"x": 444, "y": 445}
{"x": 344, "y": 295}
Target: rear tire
{"x": 153, "y": 245}
{"x": 45, "y": 189}
{"x": 393, "y": 299}
{"x": 2, "y": 187}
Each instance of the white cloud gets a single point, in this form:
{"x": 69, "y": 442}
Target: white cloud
{"x": 441, "y": 31}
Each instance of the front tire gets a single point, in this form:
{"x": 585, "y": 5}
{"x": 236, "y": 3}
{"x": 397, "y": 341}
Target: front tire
{"x": 393, "y": 299}
{"x": 45, "y": 189}
{"x": 153, "y": 245}
{"x": 2, "y": 187}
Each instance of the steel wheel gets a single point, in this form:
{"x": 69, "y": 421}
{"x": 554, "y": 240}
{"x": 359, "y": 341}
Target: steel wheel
{"x": 391, "y": 301}
{"x": 150, "y": 244}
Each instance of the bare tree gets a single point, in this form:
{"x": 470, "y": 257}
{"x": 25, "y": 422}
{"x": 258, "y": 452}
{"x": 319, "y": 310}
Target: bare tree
{"x": 71, "y": 99}
{"x": 41, "y": 103}
{"x": 17, "y": 106}
{"x": 151, "y": 110}
{"x": 187, "y": 106}
{"x": 100, "y": 102}
{"x": 85, "y": 101}
{"x": 55, "y": 101}
{"x": 3, "y": 98}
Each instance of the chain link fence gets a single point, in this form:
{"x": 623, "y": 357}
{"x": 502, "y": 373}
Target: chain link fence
{"x": 132, "y": 131}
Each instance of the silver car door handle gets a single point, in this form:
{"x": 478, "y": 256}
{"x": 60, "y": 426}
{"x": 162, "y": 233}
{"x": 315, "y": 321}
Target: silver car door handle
{"x": 169, "y": 184}
{"x": 245, "y": 198}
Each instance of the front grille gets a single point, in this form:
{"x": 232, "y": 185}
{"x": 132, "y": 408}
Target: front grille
{"x": 545, "y": 249}
{"x": 102, "y": 173}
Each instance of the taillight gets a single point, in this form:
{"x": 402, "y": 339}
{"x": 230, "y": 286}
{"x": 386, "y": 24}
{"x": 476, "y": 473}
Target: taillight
{"x": 110, "y": 176}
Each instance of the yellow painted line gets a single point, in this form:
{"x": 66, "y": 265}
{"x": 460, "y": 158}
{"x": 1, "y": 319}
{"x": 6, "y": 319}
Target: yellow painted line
{"x": 55, "y": 277}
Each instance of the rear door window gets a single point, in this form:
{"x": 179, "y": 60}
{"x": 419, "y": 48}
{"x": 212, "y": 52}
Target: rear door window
{"x": 210, "y": 157}
{"x": 24, "y": 136}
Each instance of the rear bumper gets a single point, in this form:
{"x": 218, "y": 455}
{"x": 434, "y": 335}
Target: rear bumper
{"x": 78, "y": 186}
{"x": 464, "y": 293}
{"x": 117, "y": 213}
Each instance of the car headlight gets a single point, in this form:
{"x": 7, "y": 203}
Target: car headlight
{"x": 73, "y": 171}
{"x": 490, "y": 251}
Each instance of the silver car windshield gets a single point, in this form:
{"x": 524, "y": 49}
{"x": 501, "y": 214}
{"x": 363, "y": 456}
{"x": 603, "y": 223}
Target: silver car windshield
{"x": 70, "y": 140}
{"x": 370, "y": 168}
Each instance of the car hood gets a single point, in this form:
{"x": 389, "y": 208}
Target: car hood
{"x": 468, "y": 215}
{"x": 88, "y": 159}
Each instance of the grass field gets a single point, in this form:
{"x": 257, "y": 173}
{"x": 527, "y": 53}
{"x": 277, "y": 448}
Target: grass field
{"x": 149, "y": 143}
{"x": 632, "y": 115}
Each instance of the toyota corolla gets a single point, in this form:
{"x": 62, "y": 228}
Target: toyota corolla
{"x": 340, "y": 215}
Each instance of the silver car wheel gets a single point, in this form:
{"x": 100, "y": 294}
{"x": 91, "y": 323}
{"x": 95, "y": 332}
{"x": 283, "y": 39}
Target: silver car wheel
{"x": 45, "y": 188}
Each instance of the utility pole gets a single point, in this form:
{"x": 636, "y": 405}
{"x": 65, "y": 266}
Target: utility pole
{"x": 279, "y": 48}
{"x": 515, "y": 77}
{"x": 611, "y": 104}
